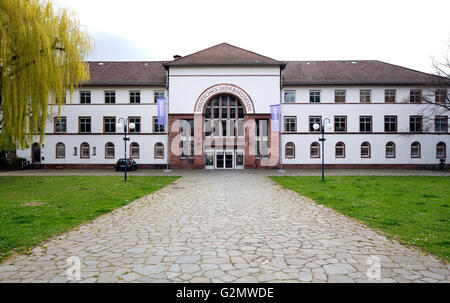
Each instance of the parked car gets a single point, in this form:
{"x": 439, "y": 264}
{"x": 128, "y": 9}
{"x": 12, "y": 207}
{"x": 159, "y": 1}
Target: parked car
{"x": 129, "y": 163}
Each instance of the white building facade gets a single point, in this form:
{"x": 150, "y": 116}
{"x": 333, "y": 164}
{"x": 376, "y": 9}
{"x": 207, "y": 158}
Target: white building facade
{"x": 219, "y": 115}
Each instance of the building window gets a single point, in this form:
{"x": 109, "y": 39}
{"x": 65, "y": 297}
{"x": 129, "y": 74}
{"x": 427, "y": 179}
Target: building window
{"x": 441, "y": 151}
{"x": 289, "y": 150}
{"x": 85, "y": 150}
{"x": 390, "y": 150}
{"x": 159, "y": 150}
{"x": 415, "y": 150}
{"x": 440, "y": 95}
{"x": 390, "y": 124}
{"x": 340, "y": 124}
{"x": 365, "y": 150}
{"x": 289, "y": 96}
{"x": 158, "y": 94}
{"x": 290, "y": 124}
{"x": 314, "y": 120}
{"x": 60, "y": 150}
{"x": 223, "y": 114}
{"x": 389, "y": 95}
{"x": 339, "y": 96}
{"x": 187, "y": 138}
{"x": 415, "y": 123}
{"x": 84, "y": 124}
{"x": 85, "y": 97}
{"x": 135, "y": 96}
{"x": 94, "y": 151}
{"x": 60, "y": 124}
{"x": 415, "y": 95}
{"x": 109, "y": 124}
{"x": 156, "y": 127}
{"x": 364, "y": 96}
{"x": 109, "y": 150}
{"x": 137, "y": 124}
{"x": 75, "y": 152}
{"x": 314, "y": 96}
{"x": 314, "y": 150}
{"x": 441, "y": 124}
{"x": 110, "y": 97}
{"x": 365, "y": 124}
{"x": 262, "y": 138}
{"x": 340, "y": 150}
{"x": 134, "y": 150}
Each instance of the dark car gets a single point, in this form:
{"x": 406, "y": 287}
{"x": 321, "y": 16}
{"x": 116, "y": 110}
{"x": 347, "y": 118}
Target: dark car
{"x": 130, "y": 164}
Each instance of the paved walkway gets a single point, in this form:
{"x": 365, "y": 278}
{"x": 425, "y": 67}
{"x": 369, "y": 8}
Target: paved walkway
{"x": 227, "y": 226}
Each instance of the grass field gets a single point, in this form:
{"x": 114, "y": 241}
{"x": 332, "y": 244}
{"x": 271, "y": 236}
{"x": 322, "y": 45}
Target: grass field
{"x": 68, "y": 201}
{"x": 412, "y": 208}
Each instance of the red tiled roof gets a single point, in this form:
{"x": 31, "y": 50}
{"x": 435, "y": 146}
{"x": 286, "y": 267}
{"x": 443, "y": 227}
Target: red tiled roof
{"x": 223, "y": 54}
{"x": 351, "y": 72}
{"x": 120, "y": 73}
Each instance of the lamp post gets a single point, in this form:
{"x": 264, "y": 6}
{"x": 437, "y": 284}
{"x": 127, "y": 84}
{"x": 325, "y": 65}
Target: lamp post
{"x": 322, "y": 129}
{"x": 126, "y": 123}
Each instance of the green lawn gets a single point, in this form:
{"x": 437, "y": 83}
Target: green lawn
{"x": 412, "y": 208}
{"x": 69, "y": 201}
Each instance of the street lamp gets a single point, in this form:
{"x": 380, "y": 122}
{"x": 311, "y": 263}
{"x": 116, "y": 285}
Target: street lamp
{"x": 125, "y": 138}
{"x": 322, "y": 129}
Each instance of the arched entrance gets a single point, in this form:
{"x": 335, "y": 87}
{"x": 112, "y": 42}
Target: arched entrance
{"x": 224, "y": 137}
{"x": 35, "y": 153}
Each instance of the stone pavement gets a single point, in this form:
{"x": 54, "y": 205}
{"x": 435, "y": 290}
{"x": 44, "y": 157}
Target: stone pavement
{"x": 224, "y": 226}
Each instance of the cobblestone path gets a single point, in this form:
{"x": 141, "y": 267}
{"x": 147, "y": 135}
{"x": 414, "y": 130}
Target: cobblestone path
{"x": 227, "y": 226}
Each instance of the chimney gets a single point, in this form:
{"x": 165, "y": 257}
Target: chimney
{"x": 176, "y": 57}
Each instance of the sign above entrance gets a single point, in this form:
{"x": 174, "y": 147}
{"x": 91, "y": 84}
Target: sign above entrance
{"x": 224, "y": 88}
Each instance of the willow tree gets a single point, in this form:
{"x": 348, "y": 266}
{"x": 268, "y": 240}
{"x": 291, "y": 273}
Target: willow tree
{"x": 41, "y": 57}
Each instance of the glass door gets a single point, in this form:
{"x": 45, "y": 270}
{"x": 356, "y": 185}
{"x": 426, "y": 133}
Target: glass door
{"x": 220, "y": 159}
{"x": 209, "y": 159}
{"x": 239, "y": 159}
{"x": 229, "y": 155}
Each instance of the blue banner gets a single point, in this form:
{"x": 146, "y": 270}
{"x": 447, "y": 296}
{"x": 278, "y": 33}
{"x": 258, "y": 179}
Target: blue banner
{"x": 275, "y": 115}
{"x": 161, "y": 111}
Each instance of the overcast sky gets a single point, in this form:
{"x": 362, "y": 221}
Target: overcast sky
{"x": 406, "y": 33}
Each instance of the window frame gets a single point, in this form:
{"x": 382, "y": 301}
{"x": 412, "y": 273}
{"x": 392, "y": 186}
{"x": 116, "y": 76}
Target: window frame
{"x": 444, "y": 156}
{"x": 336, "y": 91}
{"x": 134, "y": 121}
{"x": 155, "y": 126}
{"x": 82, "y": 93}
{"x": 156, "y": 93}
{"x": 369, "y": 155}
{"x": 81, "y": 150}
{"x": 345, "y": 124}
{"x": 130, "y": 97}
{"x": 114, "y": 150}
{"x": 294, "y": 122}
{"x": 395, "y": 150}
{"x": 421, "y": 123}
{"x": 104, "y": 124}
{"x": 318, "y": 150}
{"x": 440, "y": 95}
{"x": 312, "y": 96}
{"x": 420, "y": 150}
{"x": 293, "y": 94}
{"x": 56, "y": 150}
{"x": 445, "y": 118}
{"x": 371, "y": 125}
{"x": 390, "y": 90}
{"x": 413, "y": 96}
{"x": 55, "y": 121}
{"x": 361, "y": 91}
{"x": 155, "y": 148}
{"x": 106, "y": 97}
{"x": 90, "y": 124}
{"x": 286, "y": 147}
{"x": 396, "y": 124}
{"x": 310, "y": 126}
{"x": 343, "y": 149}
{"x": 131, "y": 150}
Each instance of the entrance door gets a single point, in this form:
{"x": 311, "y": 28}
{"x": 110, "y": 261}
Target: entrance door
{"x": 229, "y": 155}
{"x": 209, "y": 159}
{"x": 239, "y": 159}
{"x": 220, "y": 159}
{"x": 35, "y": 153}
